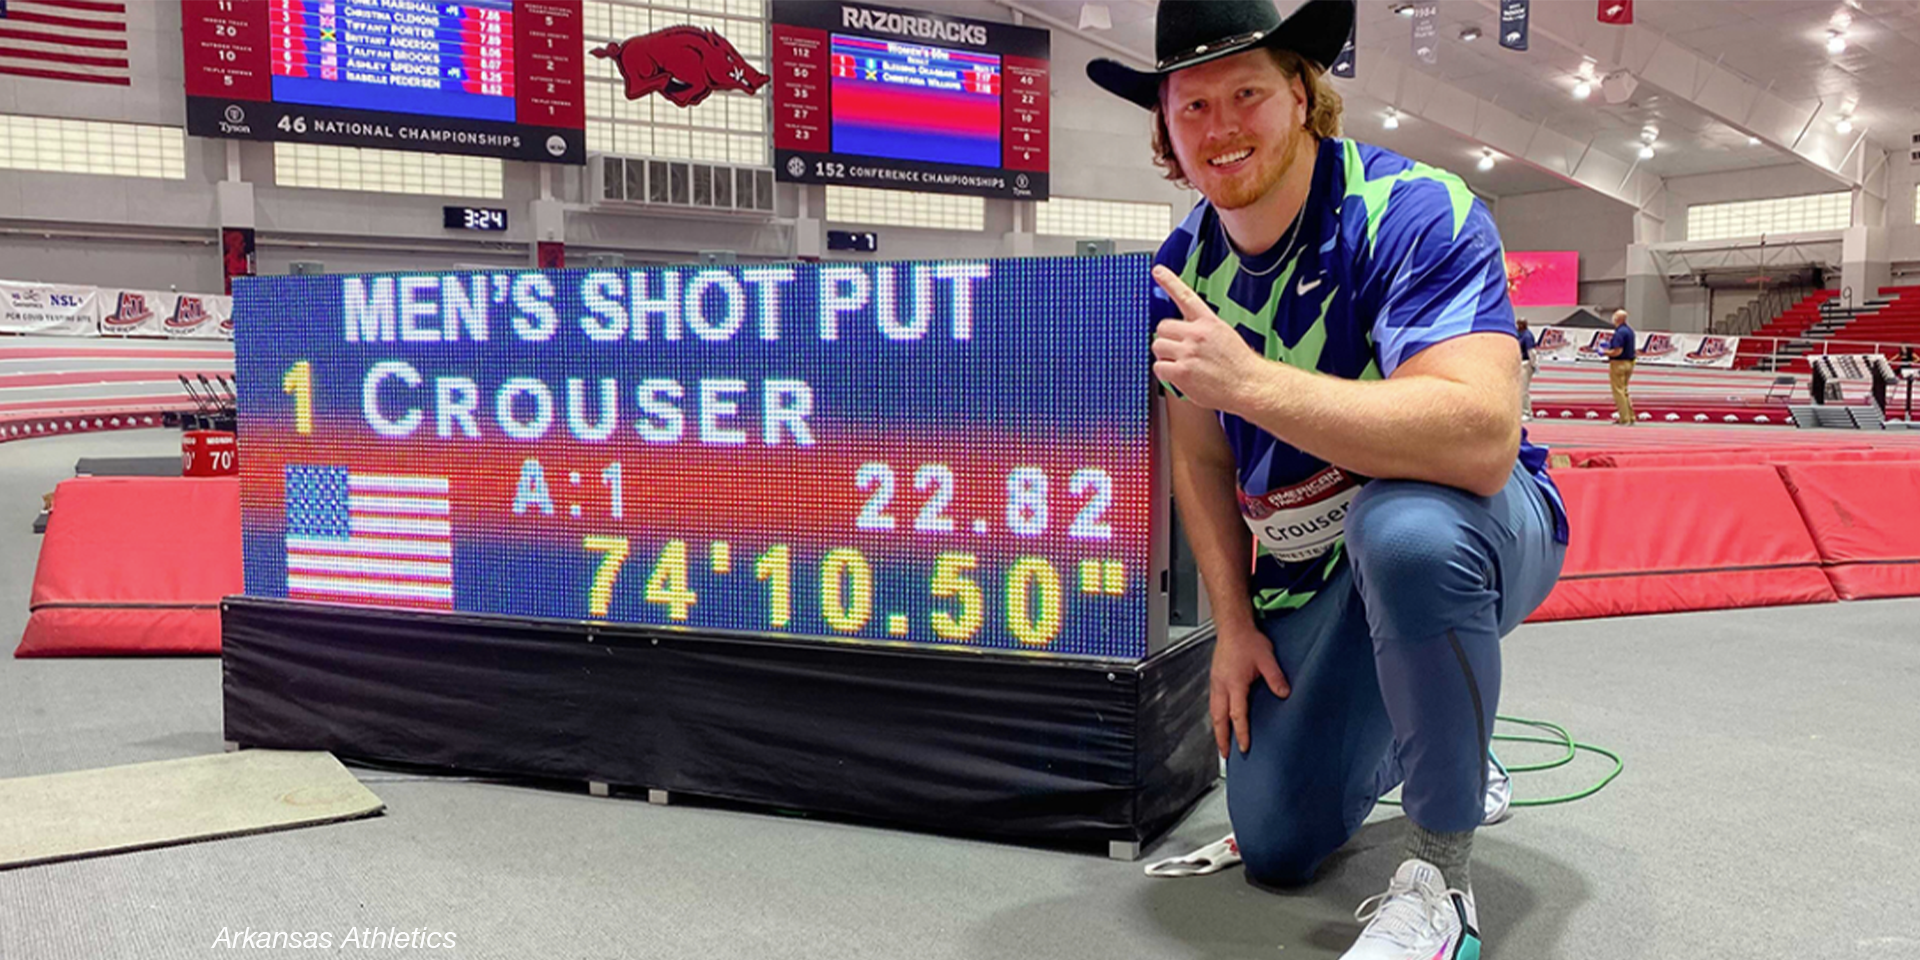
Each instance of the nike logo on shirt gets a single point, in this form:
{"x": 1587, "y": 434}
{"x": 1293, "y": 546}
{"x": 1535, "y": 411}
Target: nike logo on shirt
{"x": 1306, "y": 288}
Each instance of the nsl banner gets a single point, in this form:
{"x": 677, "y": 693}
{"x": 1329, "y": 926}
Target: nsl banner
{"x": 1658, "y": 348}
{"x": 49, "y": 309}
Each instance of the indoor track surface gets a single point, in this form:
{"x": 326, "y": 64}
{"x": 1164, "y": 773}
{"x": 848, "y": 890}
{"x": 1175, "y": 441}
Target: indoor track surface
{"x": 1768, "y": 810}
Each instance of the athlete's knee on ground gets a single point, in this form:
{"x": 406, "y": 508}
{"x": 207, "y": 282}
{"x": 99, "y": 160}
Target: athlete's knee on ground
{"x": 1280, "y": 852}
{"x": 1285, "y": 833}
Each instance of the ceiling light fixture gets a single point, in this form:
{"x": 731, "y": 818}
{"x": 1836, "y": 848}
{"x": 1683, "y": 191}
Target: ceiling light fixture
{"x": 1582, "y": 90}
{"x": 1469, "y": 34}
{"x": 1843, "y": 125}
{"x": 1836, "y": 42}
{"x": 1486, "y": 160}
{"x": 1403, "y": 9}
{"x": 1753, "y": 141}
{"x": 1649, "y": 133}
{"x": 1393, "y": 119}
{"x": 1646, "y": 151}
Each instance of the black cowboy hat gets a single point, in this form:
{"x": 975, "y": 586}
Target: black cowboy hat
{"x": 1192, "y": 32}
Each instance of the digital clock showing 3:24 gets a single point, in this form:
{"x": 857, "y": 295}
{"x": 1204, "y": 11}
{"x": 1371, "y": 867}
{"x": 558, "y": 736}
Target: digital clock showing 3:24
{"x": 490, "y": 219}
{"x": 950, "y": 453}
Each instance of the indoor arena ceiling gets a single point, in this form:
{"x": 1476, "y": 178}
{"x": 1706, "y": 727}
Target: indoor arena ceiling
{"x": 1719, "y": 84}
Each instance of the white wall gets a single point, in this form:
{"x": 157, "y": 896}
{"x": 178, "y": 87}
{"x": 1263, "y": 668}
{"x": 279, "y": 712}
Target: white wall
{"x": 161, "y": 233}
{"x": 1602, "y": 229}
{"x": 1762, "y": 183}
{"x": 1689, "y": 308}
{"x": 1598, "y": 227}
{"x": 1903, "y": 235}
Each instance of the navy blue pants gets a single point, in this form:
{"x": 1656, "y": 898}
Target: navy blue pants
{"x": 1395, "y": 670}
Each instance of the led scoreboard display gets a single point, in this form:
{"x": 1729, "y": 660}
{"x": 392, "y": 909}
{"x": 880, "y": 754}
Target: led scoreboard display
{"x": 942, "y": 453}
{"x": 498, "y": 78}
{"x": 876, "y": 97}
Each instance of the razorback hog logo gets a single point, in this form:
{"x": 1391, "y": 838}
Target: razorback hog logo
{"x": 188, "y": 314}
{"x": 131, "y": 311}
{"x": 683, "y": 64}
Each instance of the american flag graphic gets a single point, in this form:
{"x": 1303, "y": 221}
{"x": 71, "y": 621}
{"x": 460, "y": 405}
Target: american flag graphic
{"x": 80, "y": 40}
{"x": 376, "y": 539}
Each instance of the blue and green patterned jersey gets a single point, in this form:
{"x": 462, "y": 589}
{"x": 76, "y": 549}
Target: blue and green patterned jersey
{"x": 1393, "y": 257}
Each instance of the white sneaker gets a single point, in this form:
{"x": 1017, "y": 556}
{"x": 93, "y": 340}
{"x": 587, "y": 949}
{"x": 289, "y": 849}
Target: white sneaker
{"x": 1499, "y": 796}
{"x": 1418, "y": 918}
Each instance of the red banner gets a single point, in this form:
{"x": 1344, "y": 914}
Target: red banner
{"x": 1617, "y": 12}
{"x": 1544, "y": 278}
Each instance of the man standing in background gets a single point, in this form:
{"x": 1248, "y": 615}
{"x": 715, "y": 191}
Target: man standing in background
{"x": 1529, "y": 365}
{"x": 1620, "y": 357}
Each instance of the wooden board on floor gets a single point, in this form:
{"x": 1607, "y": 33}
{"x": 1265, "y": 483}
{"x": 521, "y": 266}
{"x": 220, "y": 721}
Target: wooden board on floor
{"x": 87, "y": 813}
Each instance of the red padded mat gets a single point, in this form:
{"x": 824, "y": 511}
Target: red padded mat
{"x": 1686, "y": 538}
{"x": 1865, "y": 521}
{"x": 135, "y": 565}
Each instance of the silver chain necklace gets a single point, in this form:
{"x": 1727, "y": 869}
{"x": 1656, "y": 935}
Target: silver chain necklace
{"x": 1295, "y": 230}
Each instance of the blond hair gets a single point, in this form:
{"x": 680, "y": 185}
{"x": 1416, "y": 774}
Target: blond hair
{"x": 1324, "y": 108}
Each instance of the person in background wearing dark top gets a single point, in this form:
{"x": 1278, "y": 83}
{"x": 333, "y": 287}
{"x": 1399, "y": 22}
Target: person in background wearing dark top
{"x": 1529, "y": 365}
{"x": 1620, "y": 357}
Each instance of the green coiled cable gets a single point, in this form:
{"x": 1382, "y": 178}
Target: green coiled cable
{"x": 1560, "y": 738}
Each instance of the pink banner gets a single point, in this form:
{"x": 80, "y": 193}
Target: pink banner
{"x": 1543, "y": 278}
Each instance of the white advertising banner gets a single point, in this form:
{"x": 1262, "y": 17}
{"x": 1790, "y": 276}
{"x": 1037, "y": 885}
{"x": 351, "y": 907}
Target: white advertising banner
{"x": 134, "y": 313}
{"x": 151, "y": 313}
{"x": 49, "y": 308}
{"x": 1658, "y": 348}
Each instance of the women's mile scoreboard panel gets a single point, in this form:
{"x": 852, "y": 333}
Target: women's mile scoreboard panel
{"x": 951, "y": 453}
{"x": 494, "y": 78}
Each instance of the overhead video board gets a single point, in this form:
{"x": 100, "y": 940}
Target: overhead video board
{"x": 497, "y": 78}
{"x": 876, "y": 97}
{"x": 946, "y": 453}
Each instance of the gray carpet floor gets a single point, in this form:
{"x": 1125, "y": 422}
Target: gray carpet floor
{"x": 1768, "y": 810}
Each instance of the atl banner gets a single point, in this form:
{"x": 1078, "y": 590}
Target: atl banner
{"x": 150, "y": 313}
{"x": 1513, "y": 24}
{"x": 1656, "y": 348}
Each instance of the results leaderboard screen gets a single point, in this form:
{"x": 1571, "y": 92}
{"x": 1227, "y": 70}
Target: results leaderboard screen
{"x": 944, "y": 453}
{"x": 908, "y": 99}
{"x": 915, "y": 102}
{"x": 444, "y": 59}
{"x": 500, "y": 78}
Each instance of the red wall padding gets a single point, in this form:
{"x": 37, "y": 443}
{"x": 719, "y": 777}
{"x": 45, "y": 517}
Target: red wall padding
{"x": 1865, "y": 519}
{"x": 1734, "y": 456}
{"x": 1687, "y": 538}
{"x": 135, "y": 565}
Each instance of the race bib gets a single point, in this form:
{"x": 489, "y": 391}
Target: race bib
{"x": 1302, "y": 521}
